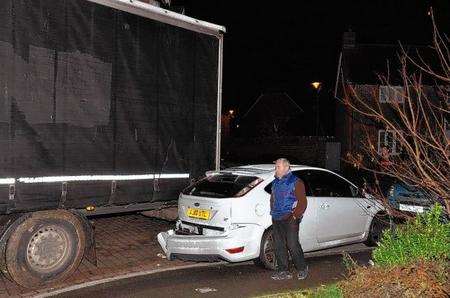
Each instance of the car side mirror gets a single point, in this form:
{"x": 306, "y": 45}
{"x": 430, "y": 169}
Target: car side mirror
{"x": 355, "y": 191}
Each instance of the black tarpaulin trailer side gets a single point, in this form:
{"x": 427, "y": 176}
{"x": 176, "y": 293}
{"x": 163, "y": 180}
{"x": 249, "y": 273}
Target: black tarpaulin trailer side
{"x": 101, "y": 106}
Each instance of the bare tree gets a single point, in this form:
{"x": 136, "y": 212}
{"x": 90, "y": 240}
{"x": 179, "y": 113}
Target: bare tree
{"x": 418, "y": 114}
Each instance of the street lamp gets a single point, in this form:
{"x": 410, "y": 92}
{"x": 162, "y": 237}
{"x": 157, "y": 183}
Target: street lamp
{"x": 317, "y": 86}
{"x": 231, "y": 112}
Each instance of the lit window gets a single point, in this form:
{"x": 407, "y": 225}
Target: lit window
{"x": 388, "y": 139}
{"x": 390, "y": 93}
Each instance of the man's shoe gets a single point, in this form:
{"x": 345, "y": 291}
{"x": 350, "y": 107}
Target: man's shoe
{"x": 281, "y": 275}
{"x": 302, "y": 274}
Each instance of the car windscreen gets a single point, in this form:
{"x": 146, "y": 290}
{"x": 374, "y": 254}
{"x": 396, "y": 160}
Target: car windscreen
{"x": 220, "y": 186}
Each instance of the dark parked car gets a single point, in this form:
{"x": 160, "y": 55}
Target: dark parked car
{"x": 410, "y": 199}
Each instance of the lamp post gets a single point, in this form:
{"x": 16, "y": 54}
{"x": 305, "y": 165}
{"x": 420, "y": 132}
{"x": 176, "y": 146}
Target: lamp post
{"x": 317, "y": 86}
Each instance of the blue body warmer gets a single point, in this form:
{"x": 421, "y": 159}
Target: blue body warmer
{"x": 284, "y": 196}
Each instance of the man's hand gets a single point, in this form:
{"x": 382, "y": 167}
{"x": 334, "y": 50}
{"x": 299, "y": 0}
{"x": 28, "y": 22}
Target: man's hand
{"x": 292, "y": 218}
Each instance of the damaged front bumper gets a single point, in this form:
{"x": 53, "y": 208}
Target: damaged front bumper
{"x": 234, "y": 245}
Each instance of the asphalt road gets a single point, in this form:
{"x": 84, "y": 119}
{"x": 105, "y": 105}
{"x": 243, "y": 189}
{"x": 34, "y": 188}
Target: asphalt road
{"x": 223, "y": 280}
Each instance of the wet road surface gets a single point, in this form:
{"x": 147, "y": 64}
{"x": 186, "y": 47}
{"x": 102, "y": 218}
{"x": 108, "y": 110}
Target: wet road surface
{"x": 223, "y": 280}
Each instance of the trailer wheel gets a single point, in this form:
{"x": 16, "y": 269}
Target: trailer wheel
{"x": 46, "y": 248}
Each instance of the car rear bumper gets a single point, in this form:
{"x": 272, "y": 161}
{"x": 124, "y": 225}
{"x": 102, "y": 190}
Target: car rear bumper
{"x": 213, "y": 248}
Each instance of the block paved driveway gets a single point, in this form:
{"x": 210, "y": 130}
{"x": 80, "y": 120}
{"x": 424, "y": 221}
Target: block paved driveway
{"x": 125, "y": 244}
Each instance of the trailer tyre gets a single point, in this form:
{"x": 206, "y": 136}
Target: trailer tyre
{"x": 46, "y": 248}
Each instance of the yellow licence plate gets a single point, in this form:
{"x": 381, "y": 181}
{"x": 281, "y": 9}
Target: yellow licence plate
{"x": 198, "y": 213}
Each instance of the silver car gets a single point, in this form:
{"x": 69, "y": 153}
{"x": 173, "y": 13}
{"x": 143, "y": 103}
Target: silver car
{"x": 226, "y": 216}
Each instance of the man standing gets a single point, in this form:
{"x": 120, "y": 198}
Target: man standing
{"x": 287, "y": 205}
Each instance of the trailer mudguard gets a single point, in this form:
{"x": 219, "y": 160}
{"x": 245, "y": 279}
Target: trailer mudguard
{"x": 7, "y": 225}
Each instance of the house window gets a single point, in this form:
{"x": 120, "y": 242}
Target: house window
{"x": 390, "y": 93}
{"x": 389, "y": 139}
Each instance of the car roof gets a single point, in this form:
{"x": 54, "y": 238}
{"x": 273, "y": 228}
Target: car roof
{"x": 265, "y": 171}
{"x": 261, "y": 170}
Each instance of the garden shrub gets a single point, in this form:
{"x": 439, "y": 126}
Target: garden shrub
{"x": 426, "y": 238}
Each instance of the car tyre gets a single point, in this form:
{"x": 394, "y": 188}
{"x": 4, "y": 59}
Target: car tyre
{"x": 377, "y": 226}
{"x": 267, "y": 252}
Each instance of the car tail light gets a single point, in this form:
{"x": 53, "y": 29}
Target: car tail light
{"x": 249, "y": 187}
{"x": 235, "y": 250}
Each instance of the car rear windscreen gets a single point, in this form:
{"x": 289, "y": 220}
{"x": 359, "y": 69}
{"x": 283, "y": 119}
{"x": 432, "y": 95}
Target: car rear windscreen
{"x": 219, "y": 186}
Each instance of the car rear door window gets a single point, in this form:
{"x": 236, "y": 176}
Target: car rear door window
{"x": 268, "y": 188}
{"x": 326, "y": 184}
{"x": 303, "y": 175}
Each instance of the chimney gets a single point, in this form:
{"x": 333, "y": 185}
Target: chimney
{"x": 349, "y": 39}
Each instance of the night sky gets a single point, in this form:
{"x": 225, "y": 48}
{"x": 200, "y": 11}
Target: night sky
{"x": 284, "y": 46}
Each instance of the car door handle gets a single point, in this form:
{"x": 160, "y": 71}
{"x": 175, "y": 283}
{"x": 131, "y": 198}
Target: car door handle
{"x": 325, "y": 206}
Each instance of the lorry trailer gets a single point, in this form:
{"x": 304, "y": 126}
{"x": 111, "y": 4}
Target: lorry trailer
{"x": 106, "y": 106}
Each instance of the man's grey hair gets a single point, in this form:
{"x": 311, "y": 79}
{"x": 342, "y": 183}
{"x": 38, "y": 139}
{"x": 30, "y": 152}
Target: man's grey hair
{"x": 284, "y": 161}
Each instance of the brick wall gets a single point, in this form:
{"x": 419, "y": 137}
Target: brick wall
{"x": 299, "y": 150}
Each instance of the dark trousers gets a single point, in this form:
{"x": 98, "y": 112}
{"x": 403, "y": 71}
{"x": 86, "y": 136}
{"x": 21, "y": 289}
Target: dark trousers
{"x": 285, "y": 237}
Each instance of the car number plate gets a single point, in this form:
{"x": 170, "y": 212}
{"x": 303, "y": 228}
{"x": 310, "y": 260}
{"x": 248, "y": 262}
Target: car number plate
{"x": 198, "y": 213}
{"x": 411, "y": 208}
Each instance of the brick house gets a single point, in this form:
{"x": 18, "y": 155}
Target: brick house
{"x": 269, "y": 129}
{"x": 359, "y": 66}
{"x": 271, "y": 115}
